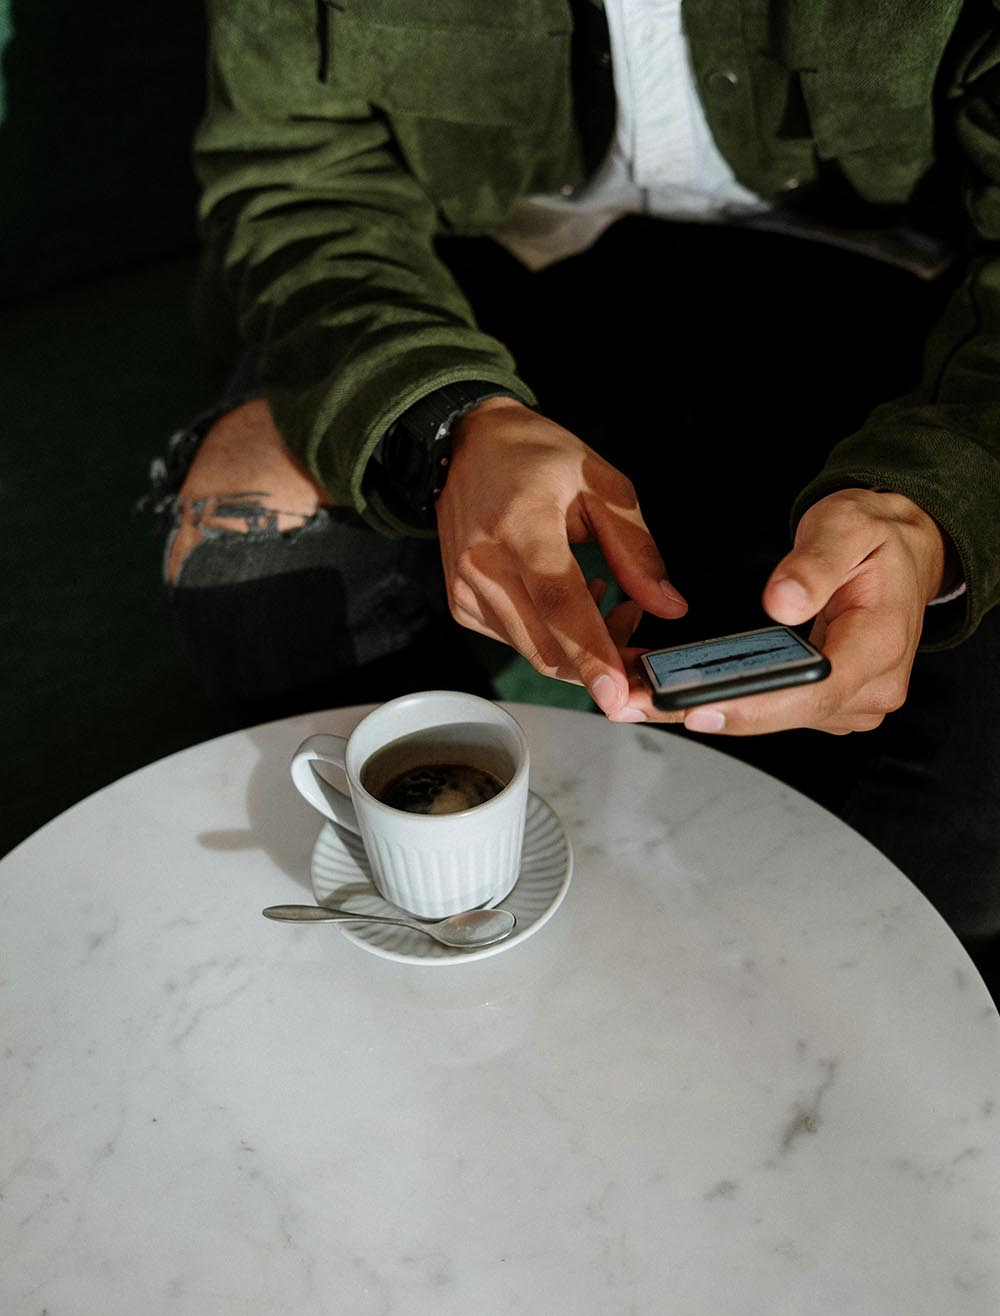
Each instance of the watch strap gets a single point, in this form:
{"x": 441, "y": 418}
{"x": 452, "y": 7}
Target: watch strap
{"x": 411, "y": 462}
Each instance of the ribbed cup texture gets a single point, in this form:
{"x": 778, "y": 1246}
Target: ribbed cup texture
{"x": 433, "y": 883}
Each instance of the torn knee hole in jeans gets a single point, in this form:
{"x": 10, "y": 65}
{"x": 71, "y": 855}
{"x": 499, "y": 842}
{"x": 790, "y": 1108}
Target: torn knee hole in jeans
{"x": 228, "y": 518}
{"x": 241, "y": 513}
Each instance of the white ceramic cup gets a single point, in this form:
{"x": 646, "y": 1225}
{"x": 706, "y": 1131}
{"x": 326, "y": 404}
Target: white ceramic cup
{"x": 432, "y": 865}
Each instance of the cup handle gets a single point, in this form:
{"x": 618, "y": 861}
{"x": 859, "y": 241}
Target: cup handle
{"x": 332, "y": 803}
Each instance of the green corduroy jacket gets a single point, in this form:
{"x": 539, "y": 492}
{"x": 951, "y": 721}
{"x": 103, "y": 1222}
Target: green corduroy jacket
{"x": 342, "y": 136}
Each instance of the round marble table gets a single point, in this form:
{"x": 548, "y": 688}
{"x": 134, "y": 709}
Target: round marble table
{"x": 745, "y": 1068}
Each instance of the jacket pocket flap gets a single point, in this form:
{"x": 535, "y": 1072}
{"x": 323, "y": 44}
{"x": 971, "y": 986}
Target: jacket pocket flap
{"x": 447, "y": 71}
{"x": 850, "y": 112}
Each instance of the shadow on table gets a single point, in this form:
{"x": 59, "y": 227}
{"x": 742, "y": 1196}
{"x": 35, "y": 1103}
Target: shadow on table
{"x": 280, "y": 823}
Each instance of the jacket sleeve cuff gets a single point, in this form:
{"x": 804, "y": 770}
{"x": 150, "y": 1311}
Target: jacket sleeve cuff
{"x": 374, "y": 498}
{"x": 955, "y": 481}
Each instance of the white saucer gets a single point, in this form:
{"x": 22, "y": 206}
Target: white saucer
{"x": 341, "y": 877}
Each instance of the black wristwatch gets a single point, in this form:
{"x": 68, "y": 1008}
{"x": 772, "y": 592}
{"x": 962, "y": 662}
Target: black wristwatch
{"x": 410, "y": 464}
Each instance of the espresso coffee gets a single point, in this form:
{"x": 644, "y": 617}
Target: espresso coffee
{"x": 446, "y": 770}
{"x": 440, "y": 788}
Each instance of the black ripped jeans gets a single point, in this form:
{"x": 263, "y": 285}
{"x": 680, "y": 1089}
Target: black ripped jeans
{"x": 715, "y": 367}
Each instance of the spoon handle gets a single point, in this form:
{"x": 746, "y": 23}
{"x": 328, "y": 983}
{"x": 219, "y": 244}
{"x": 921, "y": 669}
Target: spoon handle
{"x": 318, "y": 914}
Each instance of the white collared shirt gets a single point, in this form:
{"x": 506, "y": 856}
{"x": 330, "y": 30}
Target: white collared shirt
{"x": 663, "y": 160}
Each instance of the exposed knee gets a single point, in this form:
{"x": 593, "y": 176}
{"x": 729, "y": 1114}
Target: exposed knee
{"x": 243, "y": 478}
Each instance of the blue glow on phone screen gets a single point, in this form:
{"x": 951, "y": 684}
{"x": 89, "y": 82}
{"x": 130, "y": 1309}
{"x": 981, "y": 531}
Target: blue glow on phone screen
{"x": 696, "y": 664}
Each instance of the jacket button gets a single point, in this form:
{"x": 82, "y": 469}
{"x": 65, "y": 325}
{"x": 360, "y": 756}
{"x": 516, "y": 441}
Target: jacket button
{"x": 567, "y": 189}
{"x": 790, "y": 184}
{"x": 722, "y": 81}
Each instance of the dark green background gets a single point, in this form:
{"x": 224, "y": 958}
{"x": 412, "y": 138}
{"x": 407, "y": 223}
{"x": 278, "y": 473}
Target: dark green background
{"x": 98, "y": 364}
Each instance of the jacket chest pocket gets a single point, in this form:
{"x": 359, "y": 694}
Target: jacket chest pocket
{"x": 451, "y": 61}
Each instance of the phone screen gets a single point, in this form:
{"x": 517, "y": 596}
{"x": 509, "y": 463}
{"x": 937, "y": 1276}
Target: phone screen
{"x": 730, "y": 656}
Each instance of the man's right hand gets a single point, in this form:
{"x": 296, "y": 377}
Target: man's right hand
{"x": 520, "y": 491}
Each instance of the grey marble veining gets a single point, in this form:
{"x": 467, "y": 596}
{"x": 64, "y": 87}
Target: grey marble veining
{"x": 745, "y": 1068}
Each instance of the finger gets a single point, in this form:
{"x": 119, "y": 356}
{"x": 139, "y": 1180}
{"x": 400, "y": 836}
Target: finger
{"x": 546, "y": 613}
{"x": 622, "y": 622}
{"x": 496, "y": 589}
{"x": 598, "y": 589}
{"x": 507, "y": 608}
{"x": 833, "y": 540}
{"x": 473, "y": 610}
{"x": 560, "y": 600}
{"x": 633, "y": 557}
{"x": 623, "y": 619}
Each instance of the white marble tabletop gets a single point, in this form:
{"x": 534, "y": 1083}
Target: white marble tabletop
{"x": 745, "y": 1068}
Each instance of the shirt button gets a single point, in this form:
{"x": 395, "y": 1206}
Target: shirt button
{"x": 722, "y": 81}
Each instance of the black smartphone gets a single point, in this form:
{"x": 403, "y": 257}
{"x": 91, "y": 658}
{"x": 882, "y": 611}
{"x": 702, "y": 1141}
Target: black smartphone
{"x": 749, "y": 663}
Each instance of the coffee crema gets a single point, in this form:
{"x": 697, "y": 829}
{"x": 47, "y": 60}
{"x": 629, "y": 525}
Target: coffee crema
{"x": 440, "y": 788}
{"x": 439, "y": 770}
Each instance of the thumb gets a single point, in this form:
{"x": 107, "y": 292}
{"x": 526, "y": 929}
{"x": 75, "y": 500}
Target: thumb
{"x": 829, "y": 547}
{"x": 790, "y": 600}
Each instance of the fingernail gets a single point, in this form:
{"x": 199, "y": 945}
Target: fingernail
{"x": 605, "y": 694}
{"x": 792, "y": 595}
{"x": 628, "y": 715}
{"x": 671, "y": 593}
{"x": 705, "y": 719}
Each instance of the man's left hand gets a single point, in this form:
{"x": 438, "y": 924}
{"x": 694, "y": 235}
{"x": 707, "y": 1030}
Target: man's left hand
{"x": 865, "y": 565}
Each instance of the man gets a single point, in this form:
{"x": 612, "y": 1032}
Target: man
{"x": 335, "y": 154}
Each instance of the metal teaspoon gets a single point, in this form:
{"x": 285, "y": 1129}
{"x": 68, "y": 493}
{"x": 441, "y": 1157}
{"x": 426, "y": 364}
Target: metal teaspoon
{"x": 476, "y": 927}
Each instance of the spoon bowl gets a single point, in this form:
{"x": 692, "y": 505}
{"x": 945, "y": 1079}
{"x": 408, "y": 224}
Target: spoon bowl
{"x": 467, "y": 931}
